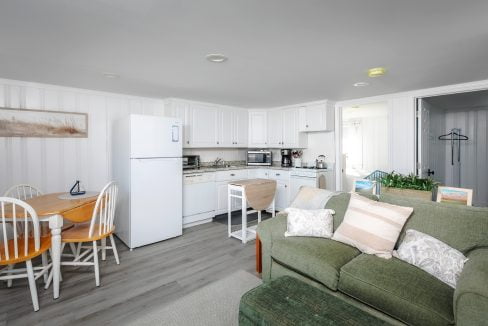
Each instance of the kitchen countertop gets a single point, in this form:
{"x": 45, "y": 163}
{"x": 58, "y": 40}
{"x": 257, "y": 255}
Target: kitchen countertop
{"x": 205, "y": 169}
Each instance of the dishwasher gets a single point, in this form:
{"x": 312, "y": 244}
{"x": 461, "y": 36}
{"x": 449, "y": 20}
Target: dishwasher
{"x": 199, "y": 198}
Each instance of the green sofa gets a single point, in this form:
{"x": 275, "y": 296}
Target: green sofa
{"x": 393, "y": 290}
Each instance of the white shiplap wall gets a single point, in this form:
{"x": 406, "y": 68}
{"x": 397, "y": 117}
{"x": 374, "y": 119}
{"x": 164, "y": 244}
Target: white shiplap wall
{"x": 53, "y": 164}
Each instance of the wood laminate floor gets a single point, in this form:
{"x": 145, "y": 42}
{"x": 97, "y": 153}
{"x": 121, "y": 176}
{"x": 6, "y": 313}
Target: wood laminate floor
{"x": 146, "y": 278}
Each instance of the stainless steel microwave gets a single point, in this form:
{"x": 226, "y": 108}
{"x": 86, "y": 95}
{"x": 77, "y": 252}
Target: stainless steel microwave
{"x": 259, "y": 158}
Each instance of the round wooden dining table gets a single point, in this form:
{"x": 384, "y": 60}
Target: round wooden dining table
{"x": 50, "y": 208}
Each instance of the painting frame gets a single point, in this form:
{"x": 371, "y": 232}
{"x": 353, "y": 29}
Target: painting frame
{"x": 22, "y": 123}
{"x": 444, "y": 192}
{"x": 364, "y": 186}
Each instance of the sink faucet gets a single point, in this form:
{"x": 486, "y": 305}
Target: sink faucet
{"x": 219, "y": 161}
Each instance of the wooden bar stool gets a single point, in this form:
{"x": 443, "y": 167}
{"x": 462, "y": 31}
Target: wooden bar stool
{"x": 22, "y": 247}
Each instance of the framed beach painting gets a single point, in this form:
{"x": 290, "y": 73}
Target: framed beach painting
{"x": 452, "y": 195}
{"x": 40, "y": 123}
{"x": 364, "y": 186}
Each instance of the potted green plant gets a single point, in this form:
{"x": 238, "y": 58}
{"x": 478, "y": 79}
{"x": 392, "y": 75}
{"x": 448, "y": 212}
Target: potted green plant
{"x": 408, "y": 185}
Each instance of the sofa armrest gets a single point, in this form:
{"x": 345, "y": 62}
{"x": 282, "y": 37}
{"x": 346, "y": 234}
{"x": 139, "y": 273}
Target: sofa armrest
{"x": 471, "y": 294}
{"x": 269, "y": 231}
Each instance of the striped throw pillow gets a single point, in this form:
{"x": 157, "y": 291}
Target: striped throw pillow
{"x": 372, "y": 227}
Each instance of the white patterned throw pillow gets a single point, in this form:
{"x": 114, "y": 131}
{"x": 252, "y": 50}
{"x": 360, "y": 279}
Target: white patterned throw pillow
{"x": 431, "y": 255}
{"x": 309, "y": 223}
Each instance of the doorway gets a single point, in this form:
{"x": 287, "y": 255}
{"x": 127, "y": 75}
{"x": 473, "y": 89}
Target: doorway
{"x": 452, "y": 144}
{"x": 364, "y": 141}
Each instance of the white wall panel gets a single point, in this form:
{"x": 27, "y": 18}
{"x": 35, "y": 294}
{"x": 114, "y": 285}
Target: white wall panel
{"x": 53, "y": 164}
{"x": 401, "y": 117}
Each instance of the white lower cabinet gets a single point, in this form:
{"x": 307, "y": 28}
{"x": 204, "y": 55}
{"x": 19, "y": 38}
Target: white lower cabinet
{"x": 282, "y": 177}
{"x": 222, "y": 199}
{"x": 258, "y": 174}
{"x": 282, "y": 198}
{"x": 207, "y": 197}
{"x": 222, "y": 180}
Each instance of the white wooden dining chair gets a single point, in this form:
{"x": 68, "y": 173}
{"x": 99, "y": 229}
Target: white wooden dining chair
{"x": 22, "y": 247}
{"x": 100, "y": 227}
{"x": 22, "y": 192}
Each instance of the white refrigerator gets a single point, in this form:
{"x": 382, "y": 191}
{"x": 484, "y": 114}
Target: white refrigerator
{"x": 147, "y": 165}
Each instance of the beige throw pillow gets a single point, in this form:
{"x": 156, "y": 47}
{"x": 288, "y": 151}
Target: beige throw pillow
{"x": 372, "y": 227}
{"x": 309, "y": 223}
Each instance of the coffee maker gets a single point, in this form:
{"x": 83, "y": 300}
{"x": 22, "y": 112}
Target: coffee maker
{"x": 286, "y": 157}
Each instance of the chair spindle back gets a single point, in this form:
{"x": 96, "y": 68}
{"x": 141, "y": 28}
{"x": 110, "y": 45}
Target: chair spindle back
{"x": 14, "y": 210}
{"x": 23, "y": 192}
{"x": 104, "y": 211}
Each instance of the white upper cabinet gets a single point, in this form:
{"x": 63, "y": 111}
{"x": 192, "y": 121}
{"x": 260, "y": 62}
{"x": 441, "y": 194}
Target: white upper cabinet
{"x": 258, "y": 136}
{"x": 204, "y": 126}
{"x": 209, "y": 125}
{"x": 240, "y": 127}
{"x": 226, "y": 127}
{"x": 316, "y": 117}
{"x": 275, "y": 128}
{"x": 292, "y": 137}
{"x": 232, "y": 127}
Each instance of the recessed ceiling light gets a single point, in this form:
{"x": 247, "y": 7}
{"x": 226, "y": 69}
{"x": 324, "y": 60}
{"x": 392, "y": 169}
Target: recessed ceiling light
{"x": 110, "y": 75}
{"x": 360, "y": 84}
{"x": 216, "y": 57}
{"x": 376, "y": 72}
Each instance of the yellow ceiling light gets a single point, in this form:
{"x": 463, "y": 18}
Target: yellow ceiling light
{"x": 376, "y": 72}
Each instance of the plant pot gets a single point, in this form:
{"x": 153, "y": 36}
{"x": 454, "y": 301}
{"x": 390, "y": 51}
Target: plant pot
{"x": 412, "y": 193}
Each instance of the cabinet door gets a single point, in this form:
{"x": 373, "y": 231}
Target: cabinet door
{"x": 204, "y": 126}
{"x": 257, "y": 129}
{"x": 275, "y": 128}
{"x": 282, "y": 197}
{"x": 236, "y": 203}
{"x": 226, "y": 127}
{"x": 312, "y": 117}
{"x": 221, "y": 197}
{"x": 258, "y": 173}
{"x": 240, "y": 128}
{"x": 290, "y": 128}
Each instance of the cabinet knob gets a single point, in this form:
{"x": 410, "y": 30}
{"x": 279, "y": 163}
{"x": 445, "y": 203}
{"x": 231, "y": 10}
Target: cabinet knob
{"x": 277, "y": 174}
{"x": 306, "y": 126}
{"x": 187, "y": 141}
{"x": 217, "y": 143}
{"x": 286, "y": 186}
{"x": 232, "y": 175}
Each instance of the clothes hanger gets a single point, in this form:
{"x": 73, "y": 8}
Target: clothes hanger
{"x": 455, "y": 132}
{"x": 451, "y": 134}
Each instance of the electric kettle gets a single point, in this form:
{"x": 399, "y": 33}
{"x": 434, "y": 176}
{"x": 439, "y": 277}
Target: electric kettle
{"x": 320, "y": 162}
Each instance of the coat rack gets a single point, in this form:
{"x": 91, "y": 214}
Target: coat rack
{"x": 454, "y": 135}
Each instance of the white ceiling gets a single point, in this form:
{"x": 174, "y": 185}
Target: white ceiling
{"x": 280, "y": 51}
{"x": 461, "y": 101}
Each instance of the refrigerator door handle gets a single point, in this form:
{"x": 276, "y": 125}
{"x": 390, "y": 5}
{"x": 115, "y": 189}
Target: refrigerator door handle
{"x": 175, "y": 134}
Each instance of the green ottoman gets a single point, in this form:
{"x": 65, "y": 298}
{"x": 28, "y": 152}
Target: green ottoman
{"x": 288, "y": 301}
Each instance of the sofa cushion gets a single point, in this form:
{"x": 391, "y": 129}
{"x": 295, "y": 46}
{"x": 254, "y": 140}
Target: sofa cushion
{"x": 461, "y": 227}
{"x": 319, "y": 259}
{"x": 398, "y": 289}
